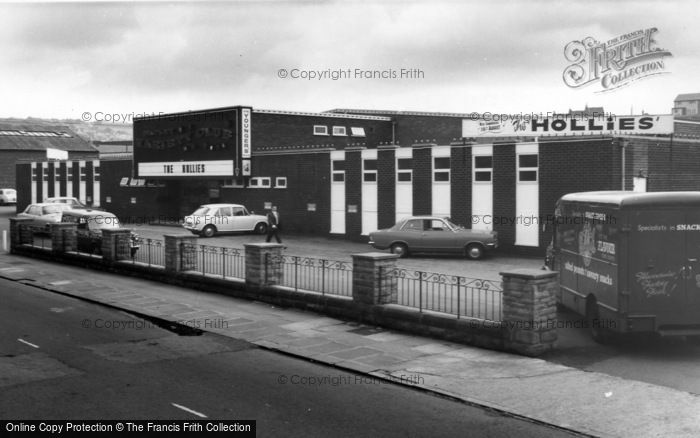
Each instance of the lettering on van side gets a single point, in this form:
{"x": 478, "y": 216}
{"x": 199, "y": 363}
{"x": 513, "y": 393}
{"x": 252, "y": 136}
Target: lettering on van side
{"x": 606, "y": 247}
{"x": 641, "y": 228}
{"x": 688, "y": 227}
{"x": 663, "y": 283}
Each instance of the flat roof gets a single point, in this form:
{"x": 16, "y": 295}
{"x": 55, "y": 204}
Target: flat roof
{"x": 628, "y": 199}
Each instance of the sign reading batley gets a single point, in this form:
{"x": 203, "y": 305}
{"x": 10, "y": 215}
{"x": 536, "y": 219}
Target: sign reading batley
{"x": 568, "y": 125}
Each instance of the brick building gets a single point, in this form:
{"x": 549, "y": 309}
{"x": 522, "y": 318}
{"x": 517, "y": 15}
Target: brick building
{"x": 349, "y": 172}
{"x": 30, "y": 140}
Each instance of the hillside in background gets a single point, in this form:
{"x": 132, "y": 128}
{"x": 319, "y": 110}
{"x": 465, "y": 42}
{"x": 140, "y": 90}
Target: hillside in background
{"x": 94, "y": 131}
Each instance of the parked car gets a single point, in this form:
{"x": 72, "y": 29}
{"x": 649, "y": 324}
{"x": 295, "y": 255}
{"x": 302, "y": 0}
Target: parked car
{"x": 432, "y": 234}
{"x": 90, "y": 226}
{"x": 44, "y": 214}
{"x": 211, "y": 219}
{"x": 8, "y": 196}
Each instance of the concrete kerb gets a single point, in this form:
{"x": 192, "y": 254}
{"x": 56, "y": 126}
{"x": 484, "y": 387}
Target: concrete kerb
{"x": 160, "y": 321}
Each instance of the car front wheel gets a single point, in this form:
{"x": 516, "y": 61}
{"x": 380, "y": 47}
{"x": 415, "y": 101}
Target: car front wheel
{"x": 208, "y": 231}
{"x": 399, "y": 249}
{"x": 475, "y": 251}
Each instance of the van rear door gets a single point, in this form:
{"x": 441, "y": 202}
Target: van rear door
{"x": 661, "y": 249}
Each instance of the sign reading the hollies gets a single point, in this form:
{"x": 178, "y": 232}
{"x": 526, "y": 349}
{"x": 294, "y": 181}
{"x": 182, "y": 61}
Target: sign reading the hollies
{"x": 561, "y": 125}
{"x": 614, "y": 63}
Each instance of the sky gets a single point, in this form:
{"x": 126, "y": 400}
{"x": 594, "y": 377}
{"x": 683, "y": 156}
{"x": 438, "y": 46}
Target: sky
{"x": 91, "y": 60}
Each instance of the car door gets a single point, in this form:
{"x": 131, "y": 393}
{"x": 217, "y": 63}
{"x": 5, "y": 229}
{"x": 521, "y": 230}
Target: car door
{"x": 241, "y": 219}
{"x": 438, "y": 237}
{"x": 224, "y": 218}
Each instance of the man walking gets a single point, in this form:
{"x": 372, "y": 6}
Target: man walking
{"x": 273, "y": 223}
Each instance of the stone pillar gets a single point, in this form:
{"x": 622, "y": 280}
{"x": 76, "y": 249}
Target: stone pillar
{"x": 180, "y": 252}
{"x": 263, "y": 264}
{"x": 116, "y": 244}
{"x": 373, "y": 281}
{"x": 63, "y": 237}
{"x": 18, "y": 236}
{"x": 530, "y": 310}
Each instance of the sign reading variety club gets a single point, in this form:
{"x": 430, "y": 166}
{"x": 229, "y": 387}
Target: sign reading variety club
{"x": 568, "y": 126}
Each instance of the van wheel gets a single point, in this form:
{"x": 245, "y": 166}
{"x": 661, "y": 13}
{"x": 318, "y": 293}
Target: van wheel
{"x": 599, "y": 334}
{"x": 475, "y": 251}
{"x": 399, "y": 249}
{"x": 208, "y": 231}
{"x": 261, "y": 228}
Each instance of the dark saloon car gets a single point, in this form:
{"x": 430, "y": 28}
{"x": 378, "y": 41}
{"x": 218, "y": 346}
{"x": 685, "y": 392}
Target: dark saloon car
{"x": 433, "y": 235}
{"x": 90, "y": 226}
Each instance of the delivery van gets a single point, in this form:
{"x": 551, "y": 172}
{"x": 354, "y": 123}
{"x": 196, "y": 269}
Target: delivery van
{"x": 629, "y": 261}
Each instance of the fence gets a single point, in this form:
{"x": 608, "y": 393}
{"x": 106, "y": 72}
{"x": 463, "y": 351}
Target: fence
{"x": 456, "y": 295}
{"x": 316, "y": 275}
{"x": 151, "y": 252}
{"x": 213, "y": 260}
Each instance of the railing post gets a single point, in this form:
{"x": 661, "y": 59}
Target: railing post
{"x": 63, "y": 237}
{"x": 529, "y": 310}
{"x": 17, "y": 232}
{"x": 459, "y": 283}
{"x": 179, "y": 252}
{"x": 372, "y": 282}
{"x": 116, "y": 244}
{"x": 263, "y": 264}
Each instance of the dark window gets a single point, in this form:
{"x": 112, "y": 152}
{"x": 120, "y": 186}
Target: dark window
{"x": 483, "y": 162}
{"x": 338, "y": 165}
{"x": 338, "y": 177}
{"x": 482, "y": 176}
{"x": 404, "y": 176}
{"x": 370, "y": 177}
{"x": 527, "y": 160}
{"x": 442, "y": 162}
{"x": 528, "y": 175}
{"x": 405, "y": 163}
{"x": 370, "y": 164}
{"x": 442, "y": 176}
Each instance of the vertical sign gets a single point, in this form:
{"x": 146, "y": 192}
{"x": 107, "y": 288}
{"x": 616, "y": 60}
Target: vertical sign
{"x": 245, "y": 133}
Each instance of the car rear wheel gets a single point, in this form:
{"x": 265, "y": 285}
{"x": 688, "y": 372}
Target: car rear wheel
{"x": 399, "y": 249}
{"x": 261, "y": 228}
{"x": 475, "y": 251}
{"x": 208, "y": 231}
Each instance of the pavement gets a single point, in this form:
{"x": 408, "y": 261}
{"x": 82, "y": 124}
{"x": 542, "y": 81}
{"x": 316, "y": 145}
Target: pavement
{"x": 585, "y": 402}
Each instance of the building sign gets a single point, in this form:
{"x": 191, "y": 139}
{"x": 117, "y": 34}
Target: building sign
{"x": 567, "y": 125}
{"x": 187, "y": 168}
{"x": 616, "y": 62}
{"x": 245, "y": 164}
{"x": 246, "y": 135}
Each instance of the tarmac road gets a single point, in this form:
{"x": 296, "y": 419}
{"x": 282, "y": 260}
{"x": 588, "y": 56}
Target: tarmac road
{"x": 62, "y": 358}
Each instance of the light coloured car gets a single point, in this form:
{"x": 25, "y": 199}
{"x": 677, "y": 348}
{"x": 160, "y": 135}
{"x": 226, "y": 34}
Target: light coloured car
{"x": 433, "y": 235}
{"x": 210, "y": 219}
{"x": 73, "y": 202}
{"x": 44, "y": 214}
{"x": 8, "y": 196}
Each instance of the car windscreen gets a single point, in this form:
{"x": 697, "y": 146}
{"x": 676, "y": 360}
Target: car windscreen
{"x": 103, "y": 222}
{"x": 50, "y": 209}
{"x": 201, "y": 211}
{"x": 452, "y": 224}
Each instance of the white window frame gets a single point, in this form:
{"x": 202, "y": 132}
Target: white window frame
{"x": 357, "y": 131}
{"x": 260, "y": 182}
{"x": 442, "y": 170}
{"x": 337, "y": 172}
{"x": 281, "y": 182}
{"x": 340, "y": 131}
{"x": 366, "y": 172}
{"x": 476, "y": 170}
{"x": 322, "y": 128}
{"x": 408, "y": 172}
{"x": 527, "y": 169}
{"x": 235, "y": 183}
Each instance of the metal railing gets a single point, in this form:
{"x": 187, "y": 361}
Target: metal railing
{"x": 316, "y": 275}
{"x": 453, "y": 294}
{"x": 213, "y": 260}
{"x": 151, "y": 252}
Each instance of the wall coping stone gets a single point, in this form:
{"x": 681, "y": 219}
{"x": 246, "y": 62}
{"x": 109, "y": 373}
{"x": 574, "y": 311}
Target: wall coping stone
{"x": 529, "y": 274}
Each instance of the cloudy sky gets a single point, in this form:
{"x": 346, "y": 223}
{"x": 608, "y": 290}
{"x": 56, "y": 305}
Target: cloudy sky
{"x": 65, "y": 59}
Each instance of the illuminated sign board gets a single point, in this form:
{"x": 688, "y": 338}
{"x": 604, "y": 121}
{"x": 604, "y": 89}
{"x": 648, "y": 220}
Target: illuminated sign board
{"x": 187, "y": 168}
{"x": 515, "y": 126}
